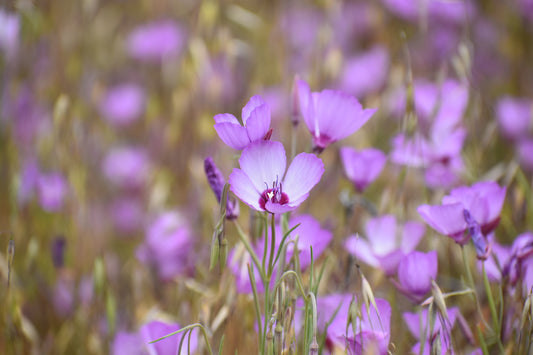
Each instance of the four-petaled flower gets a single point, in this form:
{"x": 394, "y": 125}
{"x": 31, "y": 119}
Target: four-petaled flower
{"x": 260, "y": 182}
{"x": 255, "y": 124}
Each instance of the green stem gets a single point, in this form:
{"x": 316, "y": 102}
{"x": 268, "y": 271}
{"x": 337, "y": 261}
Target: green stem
{"x": 189, "y": 327}
{"x": 473, "y": 287}
{"x": 256, "y": 305}
{"x": 252, "y": 253}
{"x": 493, "y": 311}
{"x": 272, "y": 245}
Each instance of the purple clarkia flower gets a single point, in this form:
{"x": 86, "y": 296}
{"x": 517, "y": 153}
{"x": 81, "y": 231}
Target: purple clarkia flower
{"x": 168, "y": 246}
{"x": 123, "y": 104}
{"x": 518, "y": 265}
{"x": 372, "y": 331}
{"x": 483, "y": 201}
{"x": 127, "y": 167}
{"x": 415, "y": 272}
{"x": 310, "y": 234}
{"x": 362, "y": 167}
{"x": 53, "y": 189}
{"x": 330, "y": 115}
{"x": 382, "y": 247}
{"x": 157, "y": 329}
{"x": 216, "y": 182}
{"x": 156, "y": 41}
{"x": 127, "y": 343}
{"x": 262, "y": 183}
{"x": 366, "y": 73}
{"x": 255, "y": 124}
{"x": 442, "y": 328}
{"x": 515, "y": 116}
{"x": 441, "y": 10}
{"x": 9, "y": 33}
{"x": 138, "y": 343}
{"x": 127, "y": 214}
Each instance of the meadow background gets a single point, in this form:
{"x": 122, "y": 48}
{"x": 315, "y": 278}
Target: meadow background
{"x": 106, "y": 117}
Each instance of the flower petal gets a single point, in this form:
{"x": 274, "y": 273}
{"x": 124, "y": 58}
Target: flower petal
{"x": 234, "y": 135}
{"x": 381, "y": 233}
{"x": 252, "y": 104}
{"x": 244, "y": 189}
{"x": 226, "y": 117}
{"x": 258, "y": 123}
{"x": 445, "y": 219}
{"x": 273, "y": 207}
{"x": 305, "y": 102}
{"x": 303, "y": 174}
{"x": 264, "y": 162}
{"x": 412, "y": 233}
{"x": 339, "y": 114}
{"x": 360, "y": 248}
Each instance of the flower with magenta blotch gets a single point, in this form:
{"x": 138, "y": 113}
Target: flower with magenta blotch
{"x": 262, "y": 183}
{"x": 330, "y": 115}
{"x": 255, "y": 124}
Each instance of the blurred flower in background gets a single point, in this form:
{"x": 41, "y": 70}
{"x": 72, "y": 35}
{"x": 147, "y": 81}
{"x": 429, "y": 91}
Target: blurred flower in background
{"x": 123, "y": 104}
{"x": 383, "y": 247}
{"x": 362, "y": 167}
{"x": 168, "y": 246}
{"x": 156, "y": 41}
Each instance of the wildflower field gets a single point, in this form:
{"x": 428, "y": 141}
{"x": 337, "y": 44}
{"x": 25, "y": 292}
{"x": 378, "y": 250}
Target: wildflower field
{"x": 266, "y": 177}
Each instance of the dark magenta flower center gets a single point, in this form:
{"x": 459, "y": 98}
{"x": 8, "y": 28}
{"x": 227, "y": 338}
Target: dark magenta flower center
{"x": 274, "y": 194}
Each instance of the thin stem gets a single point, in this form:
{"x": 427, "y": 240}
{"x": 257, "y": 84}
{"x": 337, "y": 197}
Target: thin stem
{"x": 248, "y": 247}
{"x": 256, "y": 305}
{"x": 473, "y": 287}
{"x": 492, "y": 307}
{"x": 189, "y": 327}
{"x": 272, "y": 245}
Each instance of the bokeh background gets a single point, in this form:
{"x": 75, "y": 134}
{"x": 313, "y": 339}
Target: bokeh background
{"x": 106, "y": 118}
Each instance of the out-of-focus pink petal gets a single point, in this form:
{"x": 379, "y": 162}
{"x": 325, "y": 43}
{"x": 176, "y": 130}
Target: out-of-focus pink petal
{"x": 412, "y": 233}
{"x": 416, "y": 270}
{"x": 361, "y": 249}
{"x": 381, "y": 233}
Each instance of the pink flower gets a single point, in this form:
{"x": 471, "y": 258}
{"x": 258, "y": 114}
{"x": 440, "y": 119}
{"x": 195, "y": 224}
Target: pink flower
{"x": 514, "y": 116}
{"x": 483, "y": 201}
{"x": 415, "y": 272}
{"x": 123, "y": 104}
{"x": 168, "y": 246}
{"x": 382, "y": 248}
{"x": 52, "y": 191}
{"x": 255, "y": 124}
{"x": 362, "y": 167}
{"x": 156, "y": 41}
{"x": 262, "y": 183}
{"x": 330, "y": 115}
